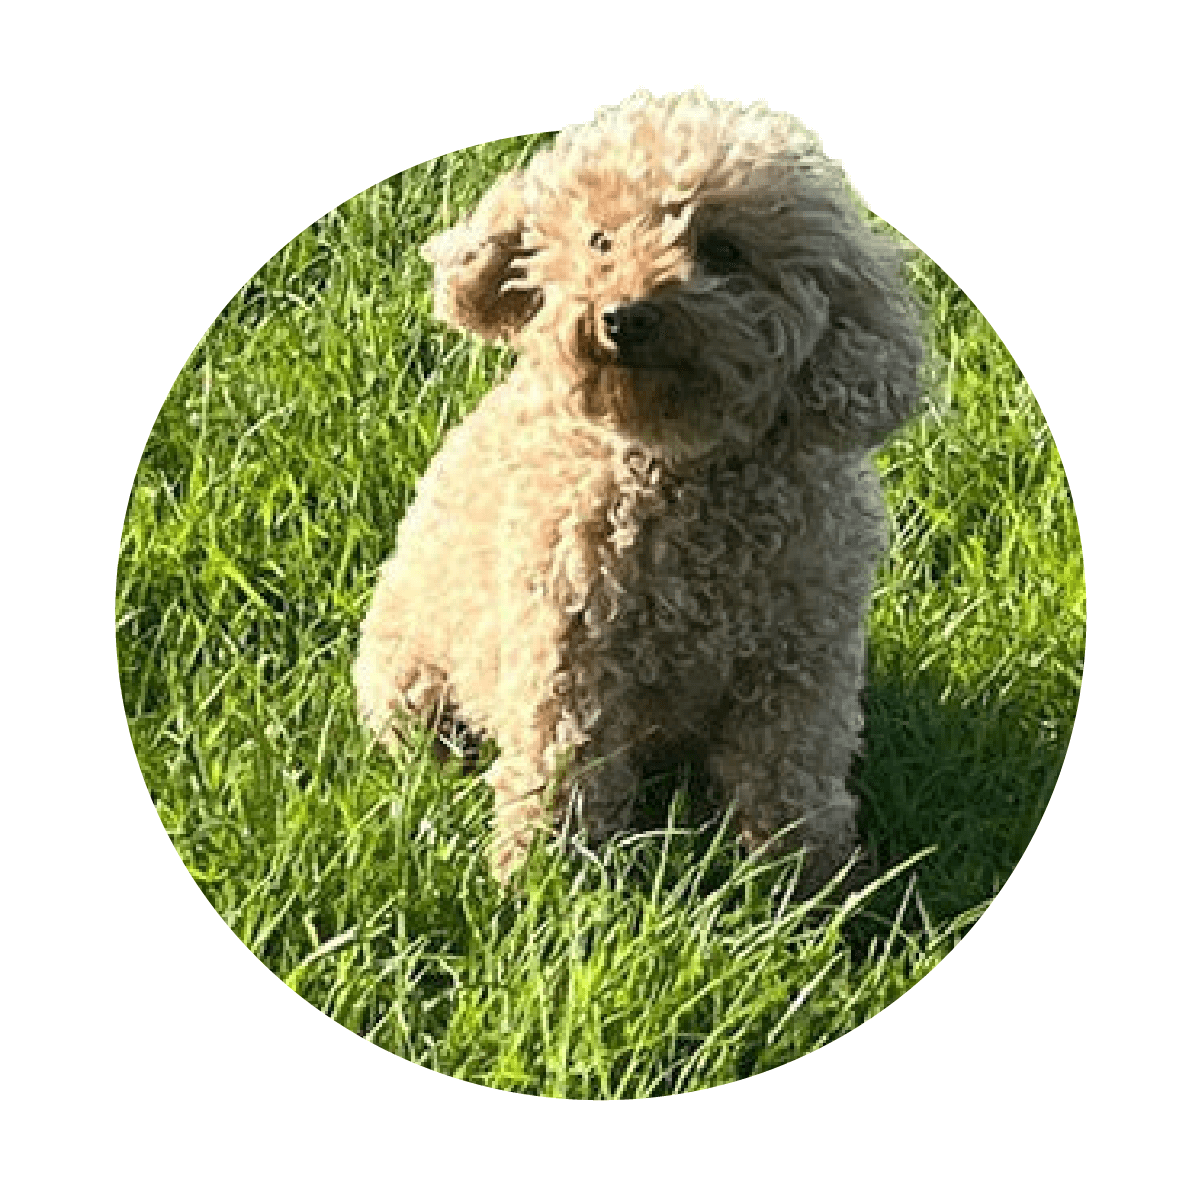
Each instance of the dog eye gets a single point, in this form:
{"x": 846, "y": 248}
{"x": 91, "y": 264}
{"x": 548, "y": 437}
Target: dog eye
{"x": 601, "y": 241}
{"x": 718, "y": 253}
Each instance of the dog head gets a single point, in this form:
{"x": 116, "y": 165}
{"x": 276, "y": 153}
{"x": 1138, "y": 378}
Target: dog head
{"x": 691, "y": 267}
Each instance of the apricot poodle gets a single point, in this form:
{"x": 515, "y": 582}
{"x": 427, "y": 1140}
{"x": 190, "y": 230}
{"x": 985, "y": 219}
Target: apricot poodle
{"x": 657, "y": 540}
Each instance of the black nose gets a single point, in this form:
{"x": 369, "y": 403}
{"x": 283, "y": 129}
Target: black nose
{"x": 632, "y": 324}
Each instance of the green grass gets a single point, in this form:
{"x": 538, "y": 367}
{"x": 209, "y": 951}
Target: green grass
{"x": 266, "y": 499}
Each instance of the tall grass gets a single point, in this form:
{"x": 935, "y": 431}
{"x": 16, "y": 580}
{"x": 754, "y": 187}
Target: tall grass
{"x": 267, "y": 497}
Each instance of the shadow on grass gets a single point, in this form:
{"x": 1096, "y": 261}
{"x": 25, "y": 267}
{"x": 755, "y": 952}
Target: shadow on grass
{"x": 970, "y": 781}
{"x": 973, "y": 781}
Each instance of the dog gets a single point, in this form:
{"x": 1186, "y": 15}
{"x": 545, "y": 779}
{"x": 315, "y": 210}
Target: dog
{"x": 658, "y": 538}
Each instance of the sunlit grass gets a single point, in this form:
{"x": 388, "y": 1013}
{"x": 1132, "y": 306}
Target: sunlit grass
{"x": 268, "y": 496}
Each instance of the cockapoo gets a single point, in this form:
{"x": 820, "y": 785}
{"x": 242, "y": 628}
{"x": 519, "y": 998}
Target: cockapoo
{"x": 657, "y": 540}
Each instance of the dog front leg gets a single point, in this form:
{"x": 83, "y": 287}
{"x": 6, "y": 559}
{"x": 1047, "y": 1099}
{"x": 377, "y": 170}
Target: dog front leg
{"x": 782, "y": 758}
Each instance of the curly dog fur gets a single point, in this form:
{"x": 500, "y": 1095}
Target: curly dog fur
{"x": 658, "y": 538}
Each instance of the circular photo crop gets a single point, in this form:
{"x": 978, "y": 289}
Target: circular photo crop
{"x": 601, "y": 615}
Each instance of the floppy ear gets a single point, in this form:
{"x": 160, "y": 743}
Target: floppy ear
{"x": 478, "y": 265}
{"x": 862, "y": 379}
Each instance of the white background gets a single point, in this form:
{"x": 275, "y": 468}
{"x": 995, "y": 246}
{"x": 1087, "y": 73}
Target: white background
{"x": 156, "y": 155}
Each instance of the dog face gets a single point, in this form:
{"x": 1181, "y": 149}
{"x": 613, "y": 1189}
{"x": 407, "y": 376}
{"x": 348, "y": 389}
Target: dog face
{"x": 679, "y": 316}
{"x": 685, "y": 267}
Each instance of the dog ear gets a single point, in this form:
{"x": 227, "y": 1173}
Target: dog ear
{"x": 478, "y": 265}
{"x": 862, "y": 379}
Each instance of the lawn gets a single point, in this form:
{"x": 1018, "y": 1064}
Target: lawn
{"x": 266, "y": 499}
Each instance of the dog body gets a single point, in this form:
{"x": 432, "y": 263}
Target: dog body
{"x": 659, "y": 537}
